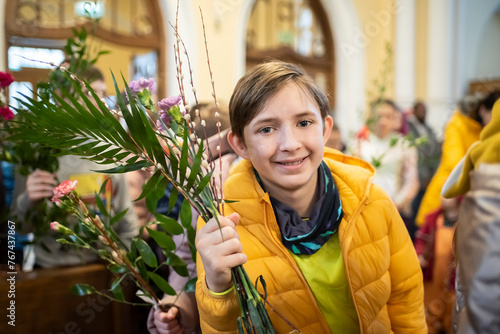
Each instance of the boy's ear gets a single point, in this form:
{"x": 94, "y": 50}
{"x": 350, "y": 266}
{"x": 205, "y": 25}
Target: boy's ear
{"x": 238, "y": 145}
{"x": 327, "y": 128}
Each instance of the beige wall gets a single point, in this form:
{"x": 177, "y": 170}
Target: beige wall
{"x": 225, "y": 23}
{"x": 117, "y": 61}
{"x": 421, "y": 40}
{"x": 378, "y": 19}
{"x": 3, "y": 52}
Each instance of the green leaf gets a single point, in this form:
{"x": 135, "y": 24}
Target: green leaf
{"x": 126, "y": 168}
{"x": 181, "y": 270}
{"x": 204, "y": 182}
{"x": 103, "y": 253}
{"x": 191, "y": 236}
{"x": 254, "y": 316}
{"x": 146, "y": 253}
{"x": 174, "y": 163}
{"x": 174, "y": 260}
{"x": 152, "y": 202}
{"x": 186, "y": 215}
{"x": 191, "y": 285}
{"x": 117, "y": 269}
{"x": 150, "y": 185}
{"x": 184, "y": 158}
{"x": 162, "y": 284}
{"x": 173, "y": 198}
{"x": 132, "y": 254}
{"x": 118, "y": 217}
{"x": 82, "y": 289}
{"x": 102, "y": 190}
{"x": 78, "y": 241}
{"x": 162, "y": 239}
{"x": 142, "y": 269}
{"x": 100, "y": 205}
{"x": 170, "y": 225}
{"x": 195, "y": 167}
{"x": 117, "y": 290}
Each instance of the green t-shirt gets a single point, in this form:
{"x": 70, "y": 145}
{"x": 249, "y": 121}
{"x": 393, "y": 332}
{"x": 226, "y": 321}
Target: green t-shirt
{"x": 325, "y": 273}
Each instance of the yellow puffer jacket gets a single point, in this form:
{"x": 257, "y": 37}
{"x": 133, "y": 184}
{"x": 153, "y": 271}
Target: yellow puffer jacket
{"x": 460, "y": 133}
{"x": 380, "y": 262}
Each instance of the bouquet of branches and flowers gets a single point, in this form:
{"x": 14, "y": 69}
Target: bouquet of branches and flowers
{"x": 162, "y": 140}
{"x": 26, "y": 156}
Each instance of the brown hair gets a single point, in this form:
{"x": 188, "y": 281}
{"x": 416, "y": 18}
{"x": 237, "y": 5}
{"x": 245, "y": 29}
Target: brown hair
{"x": 261, "y": 83}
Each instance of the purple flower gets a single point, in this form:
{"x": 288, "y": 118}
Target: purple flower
{"x": 139, "y": 85}
{"x": 169, "y": 102}
{"x": 165, "y": 118}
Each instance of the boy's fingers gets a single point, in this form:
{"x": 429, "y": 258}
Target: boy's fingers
{"x": 234, "y": 217}
{"x": 172, "y": 312}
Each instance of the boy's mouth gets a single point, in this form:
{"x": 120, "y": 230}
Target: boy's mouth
{"x": 292, "y": 163}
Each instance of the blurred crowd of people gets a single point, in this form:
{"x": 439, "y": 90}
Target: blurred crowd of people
{"x": 413, "y": 165}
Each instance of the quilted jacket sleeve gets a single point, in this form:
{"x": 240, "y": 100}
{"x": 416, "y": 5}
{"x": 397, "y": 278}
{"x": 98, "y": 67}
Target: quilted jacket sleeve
{"x": 478, "y": 247}
{"x": 406, "y": 302}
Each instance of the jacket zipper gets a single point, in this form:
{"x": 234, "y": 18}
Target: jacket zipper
{"x": 344, "y": 256}
{"x": 293, "y": 264}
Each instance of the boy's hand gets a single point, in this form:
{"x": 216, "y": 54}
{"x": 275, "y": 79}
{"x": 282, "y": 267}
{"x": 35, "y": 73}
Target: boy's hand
{"x": 40, "y": 184}
{"x": 220, "y": 256}
{"x": 168, "y": 322}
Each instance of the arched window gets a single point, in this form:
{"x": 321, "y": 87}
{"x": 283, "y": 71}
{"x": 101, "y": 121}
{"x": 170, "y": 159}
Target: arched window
{"x": 296, "y": 31}
{"x": 37, "y": 29}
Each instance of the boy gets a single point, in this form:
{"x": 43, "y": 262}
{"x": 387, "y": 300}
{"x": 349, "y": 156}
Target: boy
{"x": 333, "y": 251}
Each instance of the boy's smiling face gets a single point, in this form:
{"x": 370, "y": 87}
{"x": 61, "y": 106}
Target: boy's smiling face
{"x": 285, "y": 141}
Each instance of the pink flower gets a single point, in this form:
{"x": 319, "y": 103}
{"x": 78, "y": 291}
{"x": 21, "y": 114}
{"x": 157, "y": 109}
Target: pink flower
{"x": 138, "y": 85}
{"x": 55, "y": 226}
{"x": 5, "y": 79}
{"x": 169, "y": 102}
{"x": 56, "y": 200}
{"x": 364, "y": 133}
{"x": 63, "y": 189}
{"x": 6, "y": 113}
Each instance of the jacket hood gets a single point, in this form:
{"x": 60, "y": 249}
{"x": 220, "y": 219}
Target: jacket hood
{"x": 353, "y": 177}
{"x": 483, "y": 151}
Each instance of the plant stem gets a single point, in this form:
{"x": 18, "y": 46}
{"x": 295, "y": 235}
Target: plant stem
{"x": 125, "y": 261}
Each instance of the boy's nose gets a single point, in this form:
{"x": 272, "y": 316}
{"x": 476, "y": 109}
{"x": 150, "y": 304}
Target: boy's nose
{"x": 289, "y": 140}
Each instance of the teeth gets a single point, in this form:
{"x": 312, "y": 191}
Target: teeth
{"x": 291, "y": 163}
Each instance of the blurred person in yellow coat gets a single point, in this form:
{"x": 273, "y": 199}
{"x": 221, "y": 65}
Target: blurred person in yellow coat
{"x": 461, "y": 131}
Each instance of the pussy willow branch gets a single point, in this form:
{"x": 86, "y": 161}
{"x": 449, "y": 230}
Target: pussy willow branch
{"x": 179, "y": 39}
{"x": 190, "y": 124}
{"x": 178, "y": 60}
{"x": 217, "y": 111}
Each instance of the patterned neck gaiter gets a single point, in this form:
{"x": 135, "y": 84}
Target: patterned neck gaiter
{"x": 306, "y": 235}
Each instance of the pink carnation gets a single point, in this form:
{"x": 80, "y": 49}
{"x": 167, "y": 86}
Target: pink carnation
{"x": 56, "y": 200}
{"x": 139, "y": 85}
{"x": 6, "y": 113}
{"x": 55, "y": 226}
{"x": 169, "y": 102}
{"x": 63, "y": 189}
{"x": 5, "y": 79}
